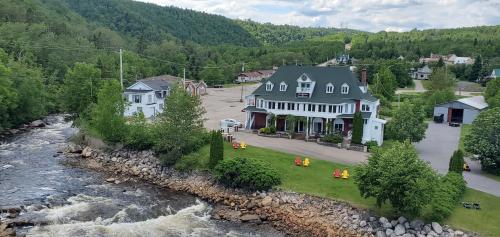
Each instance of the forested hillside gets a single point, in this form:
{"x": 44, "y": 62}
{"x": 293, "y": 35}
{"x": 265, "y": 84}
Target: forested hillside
{"x": 149, "y": 22}
{"x": 52, "y": 50}
{"x": 279, "y": 34}
{"x": 470, "y": 41}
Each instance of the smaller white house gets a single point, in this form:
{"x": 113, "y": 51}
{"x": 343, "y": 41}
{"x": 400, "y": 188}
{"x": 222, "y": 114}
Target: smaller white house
{"x": 463, "y": 60}
{"x": 148, "y": 95}
{"x": 422, "y": 73}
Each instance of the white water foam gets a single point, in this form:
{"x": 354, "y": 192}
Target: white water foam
{"x": 190, "y": 221}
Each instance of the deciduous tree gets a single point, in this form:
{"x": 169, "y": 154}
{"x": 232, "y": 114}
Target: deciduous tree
{"x": 397, "y": 175}
{"x": 180, "y": 126}
{"x": 408, "y": 123}
{"x": 484, "y": 139}
{"x": 107, "y": 115}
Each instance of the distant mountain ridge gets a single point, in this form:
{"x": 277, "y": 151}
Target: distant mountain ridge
{"x": 155, "y": 22}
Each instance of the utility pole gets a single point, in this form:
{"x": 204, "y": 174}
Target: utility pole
{"x": 184, "y": 78}
{"x": 121, "y": 68}
{"x": 283, "y": 62}
{"x": 296, "y": 62}
{"x": 242, "y": 70}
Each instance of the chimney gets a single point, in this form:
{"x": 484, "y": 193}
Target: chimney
{"x": 363, "y": 77}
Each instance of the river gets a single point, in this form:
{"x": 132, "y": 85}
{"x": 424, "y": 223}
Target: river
{"x": 66, "y": 200}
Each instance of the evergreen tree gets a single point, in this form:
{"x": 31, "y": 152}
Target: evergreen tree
{"x": 216, "y": 149}
{"x": 357, "y": 133}
{"x": 440, "y": 63}
{"x": 476, "y": 69}
{"x": 457, "y": 162}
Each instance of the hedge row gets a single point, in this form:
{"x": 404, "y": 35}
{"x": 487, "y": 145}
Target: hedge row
{"x": 247, "y": 174}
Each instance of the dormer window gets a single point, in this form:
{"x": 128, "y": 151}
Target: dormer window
{"x": 269, "y": 86}
{"x": 329, "y": 88}
{"x": 345, "y": 89}
{"x": 283, "y": 86}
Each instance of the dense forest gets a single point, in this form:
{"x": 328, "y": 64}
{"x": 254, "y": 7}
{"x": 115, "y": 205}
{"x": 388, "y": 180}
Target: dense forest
{"x": 70, "y": 47}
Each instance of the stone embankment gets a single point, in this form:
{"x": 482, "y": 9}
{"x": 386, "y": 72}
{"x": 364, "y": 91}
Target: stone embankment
{"x": 292, "y": 213}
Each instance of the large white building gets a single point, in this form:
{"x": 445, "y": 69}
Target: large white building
{"x": 321, "y": 95}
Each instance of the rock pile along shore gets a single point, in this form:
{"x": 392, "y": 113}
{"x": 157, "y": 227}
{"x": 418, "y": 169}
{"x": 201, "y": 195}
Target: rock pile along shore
{"x": 292, "y": 213}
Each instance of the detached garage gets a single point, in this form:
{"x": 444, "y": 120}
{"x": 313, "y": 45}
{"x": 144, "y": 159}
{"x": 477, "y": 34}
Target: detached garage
{"x": 460, "y": 111}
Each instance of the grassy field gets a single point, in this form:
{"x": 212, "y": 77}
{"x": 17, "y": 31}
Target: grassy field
{"x": 317, "y": 180}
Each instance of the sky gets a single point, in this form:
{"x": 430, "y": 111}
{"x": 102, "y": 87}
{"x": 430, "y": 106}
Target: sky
{"x": 367, "y": 15}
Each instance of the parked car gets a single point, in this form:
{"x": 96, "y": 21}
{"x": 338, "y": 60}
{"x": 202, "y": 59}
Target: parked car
{"x": 230, "y": 123}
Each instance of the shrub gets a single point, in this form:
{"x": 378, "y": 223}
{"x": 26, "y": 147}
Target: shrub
{"x": 457, "y": 162}
{"x": 268, "y": 130}
{"x": 449, "y": 190}
{"x": 247, "y": 174}
{"x": 139, "y": 135}
{"x": 216, "y": 149}
{"x": 371, "y": 145}
{"x": 334, "y": 138}
{"x": 272, "y": 129}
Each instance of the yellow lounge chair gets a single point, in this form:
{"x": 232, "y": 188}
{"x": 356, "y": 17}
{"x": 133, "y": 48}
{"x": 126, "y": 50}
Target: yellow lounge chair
{"x": 306, "y": 162}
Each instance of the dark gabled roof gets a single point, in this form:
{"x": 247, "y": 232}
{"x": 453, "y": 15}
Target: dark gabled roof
{"x": 322, "y": 76}
{"x": 160, "y": 82}
{"x": 253, "y": 109}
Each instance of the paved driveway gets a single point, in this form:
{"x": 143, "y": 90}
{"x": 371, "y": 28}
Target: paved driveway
{"x": 303, "y": 148}
{"x": 438, "y": 146}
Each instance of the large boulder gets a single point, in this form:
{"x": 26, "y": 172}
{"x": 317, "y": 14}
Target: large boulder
{"x": 380, "y": 234}
{"x": 437, "y": 227}
{"x": 399, "y": 229}
{"x": 267, "y": 201}
{"x": 37, "y": 124}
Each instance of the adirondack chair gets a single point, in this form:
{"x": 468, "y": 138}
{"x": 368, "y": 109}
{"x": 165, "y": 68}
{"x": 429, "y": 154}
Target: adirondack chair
{"x": 306, "y": 162}
{"x": 243, "y": 145}
{"x": 345, "y": 174}
{"x": 336, "y": 173}
{"x": 298, "y": 161}
{"x": 235, "y": 146}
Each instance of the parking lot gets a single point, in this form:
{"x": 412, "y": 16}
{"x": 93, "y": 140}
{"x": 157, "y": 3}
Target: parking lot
{"x": 222, "y": 103}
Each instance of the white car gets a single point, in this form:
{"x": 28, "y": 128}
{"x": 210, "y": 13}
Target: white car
{"x": 230, "y": 123}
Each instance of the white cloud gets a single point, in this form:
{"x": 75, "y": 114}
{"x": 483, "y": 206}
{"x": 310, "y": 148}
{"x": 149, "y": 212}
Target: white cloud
{"x": 368, "y": 15}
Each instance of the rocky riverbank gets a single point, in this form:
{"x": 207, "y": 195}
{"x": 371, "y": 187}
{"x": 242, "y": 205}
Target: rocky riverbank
{"x": 295, "y": 214}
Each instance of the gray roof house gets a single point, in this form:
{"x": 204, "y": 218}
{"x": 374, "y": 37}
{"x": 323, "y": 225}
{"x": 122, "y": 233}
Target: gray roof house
{"x": 322, "y": 95}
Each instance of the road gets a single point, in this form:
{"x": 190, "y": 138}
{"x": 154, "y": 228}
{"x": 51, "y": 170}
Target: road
{"x": 299, "y": 147}
{"x": 438, "y": 146}
{"x": 418, "y": 88}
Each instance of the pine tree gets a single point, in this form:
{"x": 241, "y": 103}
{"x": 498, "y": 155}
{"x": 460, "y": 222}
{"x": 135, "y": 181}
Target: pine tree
{"x": 457, "y": 162}
{"x": 357, "y": 133}
{"x": 476, "y": 69}
{"x": 216, "y": 149}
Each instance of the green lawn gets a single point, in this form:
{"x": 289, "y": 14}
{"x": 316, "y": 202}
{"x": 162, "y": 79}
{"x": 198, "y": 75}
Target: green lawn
{"x": 317, "y": 180}
{"x": 485, "y": 221}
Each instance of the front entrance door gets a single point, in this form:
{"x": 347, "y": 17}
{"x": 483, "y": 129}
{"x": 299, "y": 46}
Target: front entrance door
{"x": 318, "y": 125}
